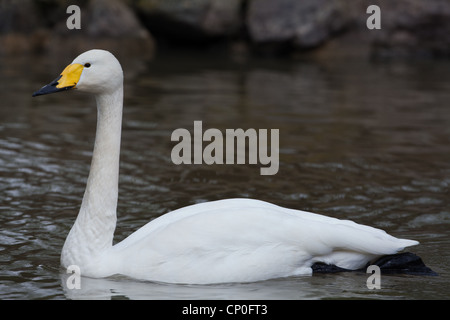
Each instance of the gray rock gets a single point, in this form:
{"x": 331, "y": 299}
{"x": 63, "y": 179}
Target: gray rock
{"x": 191, "y": 18}
{"x": 36, "y": 26}
{"x": 413, "y": 28}
{"x": 408, "y": 27}
{"x": 301, "y": 24}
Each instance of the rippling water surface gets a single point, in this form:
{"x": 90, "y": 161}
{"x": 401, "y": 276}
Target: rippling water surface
{"x": 363, "y": 141}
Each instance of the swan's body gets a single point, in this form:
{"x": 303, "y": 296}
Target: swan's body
{"x": 238, "y": 240}
{"x": 235, "y": 240}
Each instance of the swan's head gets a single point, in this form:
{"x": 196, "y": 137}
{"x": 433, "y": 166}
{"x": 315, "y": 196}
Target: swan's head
{"x": 96, "y": 71}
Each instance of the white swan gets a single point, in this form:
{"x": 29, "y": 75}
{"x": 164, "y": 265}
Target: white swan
{"x": 235, "y": 240}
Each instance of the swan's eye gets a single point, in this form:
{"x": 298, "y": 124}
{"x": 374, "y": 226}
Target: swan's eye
{"x": 87, "y": 65}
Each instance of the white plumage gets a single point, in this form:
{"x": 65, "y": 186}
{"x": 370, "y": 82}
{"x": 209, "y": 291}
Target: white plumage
{"x": 234, "y": 240}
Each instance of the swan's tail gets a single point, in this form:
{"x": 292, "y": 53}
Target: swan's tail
{"x": 403, "y": 243}
{"x": 354, "y": 245}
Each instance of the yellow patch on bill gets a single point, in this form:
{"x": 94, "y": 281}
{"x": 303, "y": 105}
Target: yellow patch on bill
{"x": 70, "y": 76}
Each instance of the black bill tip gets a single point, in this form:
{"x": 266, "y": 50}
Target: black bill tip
{"x": 50, "y": 88}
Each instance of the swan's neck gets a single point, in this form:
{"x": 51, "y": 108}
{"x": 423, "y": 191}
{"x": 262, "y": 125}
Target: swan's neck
{"x": 93, "y": 230}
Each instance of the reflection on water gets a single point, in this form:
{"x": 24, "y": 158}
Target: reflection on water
{"x": 360, "y": 141}
{"x": 337, "y": 286}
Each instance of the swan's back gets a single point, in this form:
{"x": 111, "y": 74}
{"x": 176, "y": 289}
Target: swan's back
{"x": 247, "y": 240}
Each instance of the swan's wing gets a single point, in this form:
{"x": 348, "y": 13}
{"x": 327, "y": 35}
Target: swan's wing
{"x": 247, "y": 240}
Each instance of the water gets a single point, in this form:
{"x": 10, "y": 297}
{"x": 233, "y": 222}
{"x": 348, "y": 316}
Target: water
{"x": 363, "y": 141}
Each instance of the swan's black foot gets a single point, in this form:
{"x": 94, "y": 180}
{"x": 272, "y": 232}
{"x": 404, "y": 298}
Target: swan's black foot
{"x": 320, "y": 267}
{"x": 405, "y": 263}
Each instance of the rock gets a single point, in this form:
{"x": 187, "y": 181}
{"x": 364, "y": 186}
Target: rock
{"x": 106, "y": 18}
{"x": 105, "y": 24}
{"x": 28, "y": 26}
{"x": 413, "y": 28}
{"x": 299, "y": 24}
{"x": 408, "y": 27}
{"x": 188, "y": 20}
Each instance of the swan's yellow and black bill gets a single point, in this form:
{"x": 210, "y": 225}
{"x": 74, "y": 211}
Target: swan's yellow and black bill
{"x": 67, "y": 80}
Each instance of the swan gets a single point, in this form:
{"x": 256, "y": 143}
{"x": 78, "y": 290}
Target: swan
{"x": 232, "y": 240}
